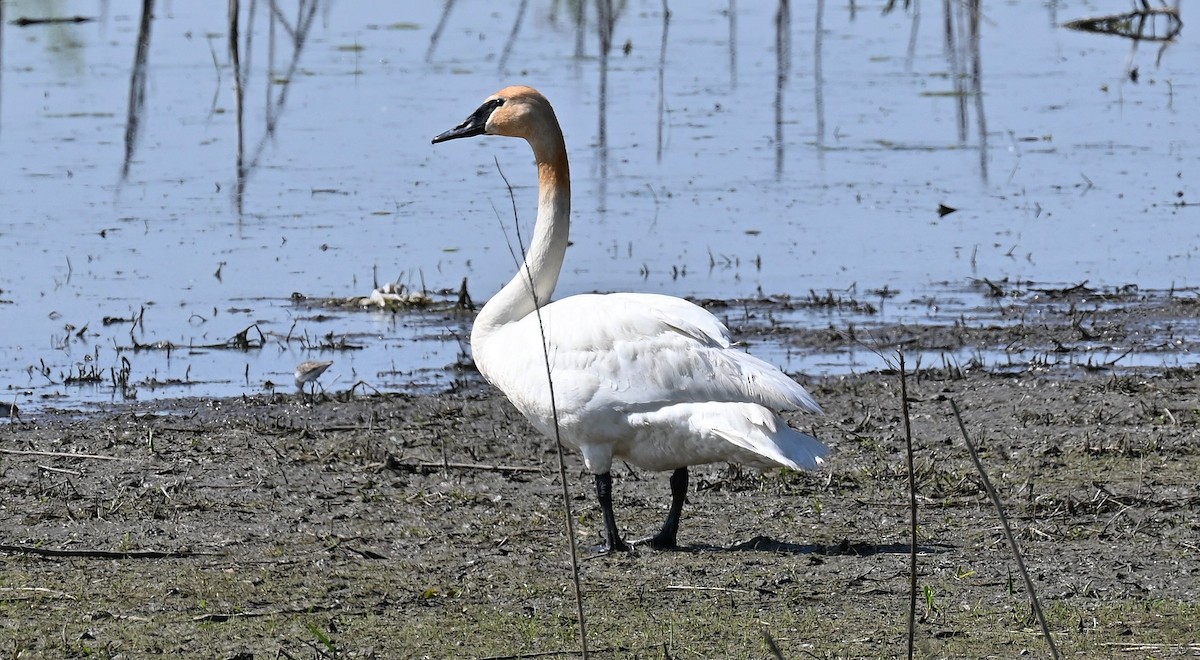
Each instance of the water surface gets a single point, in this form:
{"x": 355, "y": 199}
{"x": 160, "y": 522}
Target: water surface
{"x": 725, "y": 158}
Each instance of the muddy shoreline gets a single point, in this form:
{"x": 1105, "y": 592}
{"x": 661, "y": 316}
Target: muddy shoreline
{"x": 397, "y": 525}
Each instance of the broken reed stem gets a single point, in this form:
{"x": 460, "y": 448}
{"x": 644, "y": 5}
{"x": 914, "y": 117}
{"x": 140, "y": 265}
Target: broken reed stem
{"x": 558, "y": 445}
{"x": 912, "y": 509}
{"x": 1012, "y": 541}
{"x": 687, "y": 587}
{"x": 99, "y": 554}
{"x": 446, "y": 464}
{"x": 37, "y": 593}
{"x": 60, "y": 454}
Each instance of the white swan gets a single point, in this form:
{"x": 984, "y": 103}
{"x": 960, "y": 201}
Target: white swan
{"x": 649, "y": 379}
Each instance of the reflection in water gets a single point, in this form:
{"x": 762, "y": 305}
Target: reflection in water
{"x": 783, "y": 59}
{"x": 437, "y": 32}
{"x": 1, "y": 64}
{"x": 911, "y": 53}
{"x": 306, "y": 11}
{"x": 819, "y": 80}
{"x": 276, "y": 85}
{"x": 662, "y": 67}
{"x": 914, "y": 29}
{"x": 137, "y": 86}
{"x": 577, "y": 12}
{"x": 1144, "y": 23}
{"x": 961, "y": 45}
{"x": 1141, "y": 24}
{"x": 957, "y": 76}
{"x": 732, "y": 43}
{"x": 580, "y": 29}
{"x": 238, "y": 98}
{"x": 963, "y": 57}
{"x": 512, "y": 36}
{"x": 972, "y": 9}
{"x": 605, "y": 20}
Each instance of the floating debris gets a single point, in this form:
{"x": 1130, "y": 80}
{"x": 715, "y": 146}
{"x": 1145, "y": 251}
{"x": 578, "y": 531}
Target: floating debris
{"x": 1141, "y": 24}
{"x": 392, "y": 296}
{"x": 25, "y": 21}
{"x": 242, "y": 341}
{"x": 331, "y": 343}
{"x": 464, "y": 298}
{"x": 85, "y": 374}
{"x": 395, "y": 297}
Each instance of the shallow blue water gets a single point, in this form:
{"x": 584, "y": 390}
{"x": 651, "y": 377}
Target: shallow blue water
{"x": 1077, "y": 173}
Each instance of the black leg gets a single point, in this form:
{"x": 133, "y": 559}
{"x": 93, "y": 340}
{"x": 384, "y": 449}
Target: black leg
{"x": 665, "y": 539}
{"x": 604, "y": 494}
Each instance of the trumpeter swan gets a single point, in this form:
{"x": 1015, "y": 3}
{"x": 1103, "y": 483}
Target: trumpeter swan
{"x": 645, "y": 378}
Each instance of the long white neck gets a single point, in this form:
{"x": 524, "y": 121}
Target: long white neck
{"x": 534, "y": 282}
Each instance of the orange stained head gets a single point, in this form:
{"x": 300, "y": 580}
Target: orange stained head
{"x": 522, "y": 112}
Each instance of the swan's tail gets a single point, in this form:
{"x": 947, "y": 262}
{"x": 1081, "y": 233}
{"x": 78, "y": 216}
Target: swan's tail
{"x": 761, "y": 431}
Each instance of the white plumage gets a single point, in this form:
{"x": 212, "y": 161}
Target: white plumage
{"x": 645, "y": 378}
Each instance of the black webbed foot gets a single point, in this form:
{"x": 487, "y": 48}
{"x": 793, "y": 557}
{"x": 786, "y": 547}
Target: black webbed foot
{"x": 611, "y": 548}
{"x": 659, "y": 541}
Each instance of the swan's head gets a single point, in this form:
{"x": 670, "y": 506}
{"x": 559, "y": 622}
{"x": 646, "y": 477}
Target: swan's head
{"x": 513, "y": 111}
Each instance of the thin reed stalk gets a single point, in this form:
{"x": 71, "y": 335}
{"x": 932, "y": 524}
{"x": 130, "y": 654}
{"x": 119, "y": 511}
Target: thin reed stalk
{"x": 1012, "y": 541}
{"x": 912, "y": 511}
{"x": 558, "y": 445}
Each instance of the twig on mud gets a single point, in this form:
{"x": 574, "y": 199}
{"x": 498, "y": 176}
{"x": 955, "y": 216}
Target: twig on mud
{"x": 278, "y": 455}
{"x": 686, "y": 587}
{"x": 1142, "y": 647}
{"x": 564, "y": 652}
{"x": 219, "y": 617}
{"x": 99, "y": 554}
{"x": 912, "y": 509}
{"x": 47, "y": 468}
{"x": 1114, "y": 517}
{"x": 364, "y": 384}
{"x": 1012, "y": 541}
{"x": 60, "y": 454}
{"x": 35, "y": 592}
{"x": 400, "y": 463}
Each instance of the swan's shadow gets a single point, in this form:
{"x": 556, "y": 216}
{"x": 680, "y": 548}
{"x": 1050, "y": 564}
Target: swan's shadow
{"x": 845, "y": 547}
